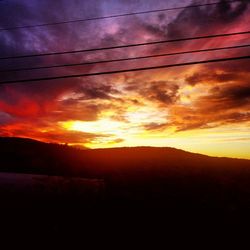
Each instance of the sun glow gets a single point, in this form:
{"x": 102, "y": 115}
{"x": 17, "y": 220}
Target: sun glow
{"x": 108, "y": 132}
{"x": 103, "y": 126}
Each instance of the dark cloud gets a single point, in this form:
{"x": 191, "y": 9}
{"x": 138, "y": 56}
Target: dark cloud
{"x": 94, "y": 90}
{"x": 226, "y": 98}
{"x": 235, "y": 93}
{"x": 163, "y": 92}
{"x": 118, "y": 140}
{"x": 192, "y": 21}
{"x": 207, "y": 77}
{"x": 77, "y": 112}
{"x": 74, "y": 110}
{"x": 155, "y": 126}
{"x": 227, "y": 12}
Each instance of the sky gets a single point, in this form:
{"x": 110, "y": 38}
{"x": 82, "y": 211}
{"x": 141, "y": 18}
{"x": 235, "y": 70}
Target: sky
{"x": 199, "y": 108}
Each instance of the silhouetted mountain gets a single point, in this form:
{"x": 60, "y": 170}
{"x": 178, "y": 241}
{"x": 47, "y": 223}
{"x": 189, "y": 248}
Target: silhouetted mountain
{"x": 145, "y": 188}
{"x": 30, "y": 156}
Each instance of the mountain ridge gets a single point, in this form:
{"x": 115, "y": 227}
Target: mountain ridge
{"x": 30, "y": 140}
{"x": 31, "y": 156}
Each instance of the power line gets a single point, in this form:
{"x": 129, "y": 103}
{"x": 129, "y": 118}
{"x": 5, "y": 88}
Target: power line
{"x": 115, "y": 16}
{"x": 125, "y": 70}
{"x": 127, "y": 45}
{"x": 126, "y": 59}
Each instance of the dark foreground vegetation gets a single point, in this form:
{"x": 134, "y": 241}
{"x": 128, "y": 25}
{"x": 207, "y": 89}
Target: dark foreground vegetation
{"x": 118, "y": 193}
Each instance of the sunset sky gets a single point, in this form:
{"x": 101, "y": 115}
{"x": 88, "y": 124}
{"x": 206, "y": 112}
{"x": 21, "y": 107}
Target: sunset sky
{"x": 199, "y": 108}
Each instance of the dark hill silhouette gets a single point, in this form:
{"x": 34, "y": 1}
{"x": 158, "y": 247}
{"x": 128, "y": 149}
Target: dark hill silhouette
{"x": 30, "y": 156}
{"x": 145, "y": 187}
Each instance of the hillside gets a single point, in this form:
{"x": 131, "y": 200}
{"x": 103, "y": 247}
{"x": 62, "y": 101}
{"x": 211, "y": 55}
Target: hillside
{"x": 30, "y": 156}
{"x": 144, "y": 186}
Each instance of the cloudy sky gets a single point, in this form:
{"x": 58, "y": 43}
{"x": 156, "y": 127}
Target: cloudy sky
{"x": 199, "y": 108}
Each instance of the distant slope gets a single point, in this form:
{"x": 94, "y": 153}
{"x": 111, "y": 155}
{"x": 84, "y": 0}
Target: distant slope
{"x": 30, "y": 156}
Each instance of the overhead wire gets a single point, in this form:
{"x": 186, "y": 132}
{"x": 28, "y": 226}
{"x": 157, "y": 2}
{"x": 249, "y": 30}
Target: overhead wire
{"x": 116, "y": 15}
{"x": 125, "y": 59}
{"x": 127, "y": 45}
{"x": 125, "y": 70}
